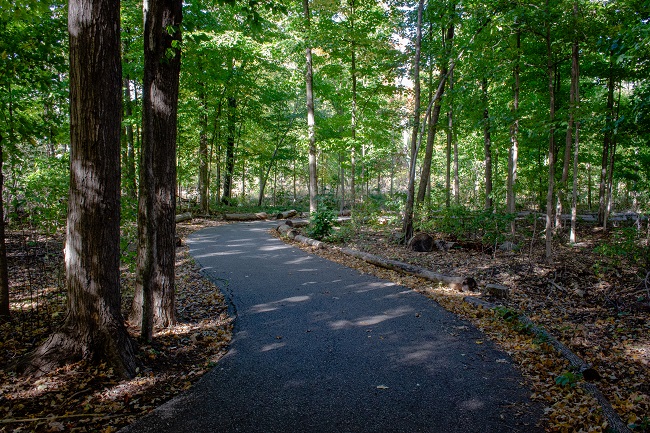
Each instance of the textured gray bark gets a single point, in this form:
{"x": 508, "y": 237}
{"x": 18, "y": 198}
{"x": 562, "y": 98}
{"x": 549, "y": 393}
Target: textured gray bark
{"x": 311, "y": 132}
{"x": 94, "y": 328}
{"x": 4, "y": 275}
{"x": 154, "y": 301}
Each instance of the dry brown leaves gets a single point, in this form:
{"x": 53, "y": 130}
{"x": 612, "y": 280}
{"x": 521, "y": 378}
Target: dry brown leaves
{"x": 597, "y": 316}
{"x": 89, "y": 398}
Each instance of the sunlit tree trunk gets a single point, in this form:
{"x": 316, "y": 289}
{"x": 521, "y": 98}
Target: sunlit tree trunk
{"x": 203, "y": 153}
{"x": 311, "y": 124}
{"x": 487, "y": 146}
{"x": 407, "y": 228}
{"x": 230, "y": 151}
{"x": 575, "y": 99}
{"x": 425, "y": 176}
{"x": 131, "y": 185}
{"x": 607, "y": 145}
{"x": 94, "y": 328}
{"x": 450, "y": 138}
{"x": 154, "y": 301}
{"x": 513, "y": 153}
{"x": 4, "y": 274}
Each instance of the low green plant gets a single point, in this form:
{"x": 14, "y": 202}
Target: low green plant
{"x": 568, "y": 378}
{"x": 321, "y": 223}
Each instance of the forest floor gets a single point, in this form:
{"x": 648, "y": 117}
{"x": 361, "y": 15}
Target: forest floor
{"x": 595, "y": 301}
{"x": 596, "y": 304}
{"x": 89, "y": 398}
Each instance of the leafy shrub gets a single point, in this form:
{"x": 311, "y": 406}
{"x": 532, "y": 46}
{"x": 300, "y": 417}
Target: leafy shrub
{"x": 321, "y": 223}
{"x": 626, "y": 242}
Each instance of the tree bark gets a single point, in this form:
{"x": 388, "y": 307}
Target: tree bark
{"x": 94, "y": 328}
{"x": 433, "y": 122}
{"x": 204, "y": 202}
{"x": 575, "y": 91}
{"x": 311, "y": 129}
{"x": 550, "y": 67}
{"x": 607, "y": 144}
{"x": 230, "y": 150}
{"x": 513, "y": 153}
{"x": 407, "y": 228}
{"x": 450, "y": 139}
{"x": 4, "y": 274}
{"x": 154, "y": 300}
{"x": 487, "y": 146}
{"x": 131, "y": 185}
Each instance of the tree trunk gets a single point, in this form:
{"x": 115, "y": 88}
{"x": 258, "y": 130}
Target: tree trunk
{"x": 450, "y": 137}
{"x": 607, "y": 144}
{"x": 131, "y": 185}
{"x": 4, "y": 274}
{"x": 230, "y": 151}
{"x": 94, "y": 328}
{"x": 487, "y": 146}
{"x": 433, "y": 122}
{"x": 154, "y": 301}
{"x": 575, "y": 92}
{"x": 203, "y": 153}
{"x": 550, "y": 66}
{"x": 407, "y": 228}
{"x": 311, "y": 129}
{"x": 513, "y": 153}
{"x": 353, "y": 126}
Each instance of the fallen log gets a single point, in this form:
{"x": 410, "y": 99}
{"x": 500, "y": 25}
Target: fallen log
{"x": 615, "y": 423}
{"x": 245, "y": 216}
{"x": 309, "y": 241}
{"x": 458, "y": 283}
{"x": 183, "y": 217}
{"x": 286, "y": 214}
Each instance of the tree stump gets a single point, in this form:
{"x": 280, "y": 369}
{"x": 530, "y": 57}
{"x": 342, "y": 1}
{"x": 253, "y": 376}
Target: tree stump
{"x": 421, "y": 242}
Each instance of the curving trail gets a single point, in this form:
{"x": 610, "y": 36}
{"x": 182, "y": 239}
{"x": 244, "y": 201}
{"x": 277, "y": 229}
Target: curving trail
{"x": 319, "y": 347}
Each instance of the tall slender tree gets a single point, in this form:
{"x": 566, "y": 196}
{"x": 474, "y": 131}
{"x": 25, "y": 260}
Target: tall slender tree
{"x": 154, "y": 301}
{"x": 311, "y": 123}
{"x": 94, "y": 328}
{"x": 4, "y": 274}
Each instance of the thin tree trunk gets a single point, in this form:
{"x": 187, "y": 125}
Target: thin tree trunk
{"x": 433, "y": 122}
{"x": 551, "y": 145}
{"x": 94, "y": 328}
{"x": 610, "y": 174}
{"x": 353, "y": 126}
{"x": 450, "y": 135}
{"x": 575, "y": 91}
{"x": 607, "y": 144}
{"x": 456, "y": 177}
{"x": 154, "y": 300}
{"x": 487, "y": 146}
{"x": 4, "y": 274}
{"x": 407, "y": 229}
{"x": 513, "y": 153}
{"x": 311, "y": 124}
{"x": 230, "y": 150}
{"x": 203, "y": 153}
{"x": 131, "y": 185}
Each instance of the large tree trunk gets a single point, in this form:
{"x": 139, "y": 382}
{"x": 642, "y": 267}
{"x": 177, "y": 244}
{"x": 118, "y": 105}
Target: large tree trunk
{"x": 94, "y": 327}
{"x": 513, "y": 153}
{"x": 407, "y": 228}
{"x": 551, "y": 146}
{"x": 487, "y": 145}
{"x": 311, "y": 128}
{"x": 154, "y": 301}
{"x": 4, "y": 275}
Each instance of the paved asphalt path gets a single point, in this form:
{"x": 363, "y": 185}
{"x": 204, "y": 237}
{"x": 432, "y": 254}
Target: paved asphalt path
{"x": 319, "y": 347}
